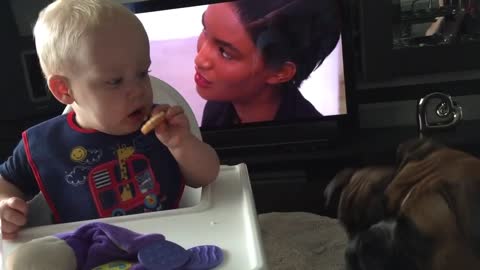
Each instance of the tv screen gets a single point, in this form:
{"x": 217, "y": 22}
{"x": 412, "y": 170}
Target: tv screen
{"x": 199, "y": 48}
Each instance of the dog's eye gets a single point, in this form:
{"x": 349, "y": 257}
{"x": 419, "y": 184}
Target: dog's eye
{"x": 447, "y": 196}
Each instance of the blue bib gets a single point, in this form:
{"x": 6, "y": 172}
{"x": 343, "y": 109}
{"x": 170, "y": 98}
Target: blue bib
{"x": 86, "y": 174}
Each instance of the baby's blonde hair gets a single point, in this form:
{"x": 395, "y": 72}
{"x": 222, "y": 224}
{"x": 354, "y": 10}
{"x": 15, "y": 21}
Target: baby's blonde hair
{"x": 61, "y": 25}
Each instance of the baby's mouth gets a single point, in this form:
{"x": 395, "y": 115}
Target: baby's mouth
{"x": 138, "y": 113}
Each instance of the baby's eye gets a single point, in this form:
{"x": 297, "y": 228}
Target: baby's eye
{"x": 115, "y": 81}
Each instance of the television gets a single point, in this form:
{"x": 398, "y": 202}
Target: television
{"x": 173, "y": 28}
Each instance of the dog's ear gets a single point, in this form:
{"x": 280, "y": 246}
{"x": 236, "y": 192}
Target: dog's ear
{"x": 415, "y": 149}
{"x": 464, "y": 200}
{"x": 363, "y": 202}
{"x": 335, "y": 187}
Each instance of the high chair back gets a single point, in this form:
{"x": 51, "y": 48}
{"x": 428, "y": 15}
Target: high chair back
{"x": 163, "y": 93}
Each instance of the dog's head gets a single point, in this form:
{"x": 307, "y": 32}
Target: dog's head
{"x": 423, "y": 214}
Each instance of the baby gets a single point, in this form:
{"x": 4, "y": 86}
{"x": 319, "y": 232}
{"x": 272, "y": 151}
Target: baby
{"x": 94, "y": 162}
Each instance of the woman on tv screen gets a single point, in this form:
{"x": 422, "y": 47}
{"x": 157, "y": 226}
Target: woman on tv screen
{"x": 252, "y": 57}
{"x": 246, "y": 61}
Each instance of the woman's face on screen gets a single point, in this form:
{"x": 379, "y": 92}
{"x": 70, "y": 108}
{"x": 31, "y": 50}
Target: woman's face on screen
{"x": 228, "y": 65}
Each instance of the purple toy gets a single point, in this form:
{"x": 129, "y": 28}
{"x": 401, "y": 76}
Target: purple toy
{"x": 204, "y": 257}
{"x": 163, "y": 255}
{"x": 104, "y": 246}
{"x": 98, "y": 243}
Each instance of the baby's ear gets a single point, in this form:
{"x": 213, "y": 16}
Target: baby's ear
{"x": 60, "y": 89}
{"x": 37, "y": 254}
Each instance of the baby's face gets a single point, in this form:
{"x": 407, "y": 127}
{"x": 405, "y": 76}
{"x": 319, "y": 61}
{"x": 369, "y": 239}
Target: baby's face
{"x": 110, "y": 82}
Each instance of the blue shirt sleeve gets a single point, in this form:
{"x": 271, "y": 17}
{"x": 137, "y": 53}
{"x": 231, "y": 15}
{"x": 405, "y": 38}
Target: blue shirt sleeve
{"x": 17, "y": 171}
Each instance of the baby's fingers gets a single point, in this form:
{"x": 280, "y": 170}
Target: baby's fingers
{"x": 9, "y": 230}
{"x": 13, "y": 216}
{"x": 174, "y": 111}
{"x": 160, "y": 108}
{"x": 9, "y": 236}
{"x": 17, "y": 204}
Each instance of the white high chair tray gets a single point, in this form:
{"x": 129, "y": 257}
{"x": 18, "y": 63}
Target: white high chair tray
{"x": 225, "y": 217}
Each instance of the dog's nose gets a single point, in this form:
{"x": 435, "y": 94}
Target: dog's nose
{"x": 371, "y": 249}
{"x": 351, "y": 258}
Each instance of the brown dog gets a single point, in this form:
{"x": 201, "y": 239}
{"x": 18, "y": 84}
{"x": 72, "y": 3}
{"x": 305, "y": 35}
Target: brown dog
{"x": 423, "y": 214}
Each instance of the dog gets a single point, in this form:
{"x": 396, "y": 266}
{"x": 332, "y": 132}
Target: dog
{"x": 421, "y": 214}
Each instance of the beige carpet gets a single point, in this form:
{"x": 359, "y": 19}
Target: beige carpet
{"x": 302, "y": 241}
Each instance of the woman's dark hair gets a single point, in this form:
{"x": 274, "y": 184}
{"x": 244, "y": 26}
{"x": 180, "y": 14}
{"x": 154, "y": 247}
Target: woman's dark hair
{"x": 301, "y": 31}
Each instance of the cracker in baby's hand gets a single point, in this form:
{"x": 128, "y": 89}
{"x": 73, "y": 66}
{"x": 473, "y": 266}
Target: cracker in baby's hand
{"x": 154, "y": 121}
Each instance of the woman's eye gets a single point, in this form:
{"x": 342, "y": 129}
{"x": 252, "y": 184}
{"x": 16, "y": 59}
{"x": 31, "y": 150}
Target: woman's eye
{"x": 225, "y": 54}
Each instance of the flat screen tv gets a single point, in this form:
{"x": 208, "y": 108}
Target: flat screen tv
{"x": 183, "y": 37}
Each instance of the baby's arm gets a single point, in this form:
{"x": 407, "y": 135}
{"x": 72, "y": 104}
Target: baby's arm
{"x": 198, "y": 161}
{"x": 13, "y": 209}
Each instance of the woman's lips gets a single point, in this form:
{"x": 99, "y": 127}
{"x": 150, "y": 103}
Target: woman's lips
{"x": 201, "y": 81}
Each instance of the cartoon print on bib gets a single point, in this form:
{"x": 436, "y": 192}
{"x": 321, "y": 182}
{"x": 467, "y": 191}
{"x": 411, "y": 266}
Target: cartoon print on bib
{"x": 124, "y": 185}
{"x": 85, "y": 158}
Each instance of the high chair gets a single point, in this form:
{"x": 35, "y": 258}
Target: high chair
{"x": 221, "y": 214}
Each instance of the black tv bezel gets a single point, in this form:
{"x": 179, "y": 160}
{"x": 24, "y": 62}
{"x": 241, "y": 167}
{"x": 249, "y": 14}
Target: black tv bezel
{"x": 263, "y": 137}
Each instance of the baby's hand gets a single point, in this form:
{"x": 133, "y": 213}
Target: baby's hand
{"x": 174, "y": 128}
{"x": 13, "y": 213}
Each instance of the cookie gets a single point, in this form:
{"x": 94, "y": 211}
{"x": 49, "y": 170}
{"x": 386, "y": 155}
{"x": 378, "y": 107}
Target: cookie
{"x": 151, "y": 123}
